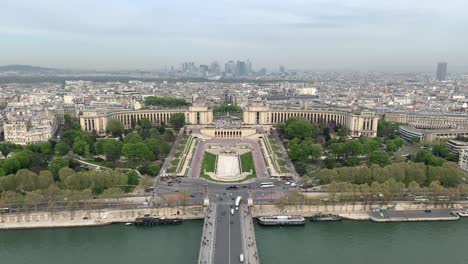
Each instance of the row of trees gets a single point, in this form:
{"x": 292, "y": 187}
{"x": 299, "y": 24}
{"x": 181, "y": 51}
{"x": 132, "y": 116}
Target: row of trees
{"x": 448, "y": 174}
{"x": 227, "y": 107}
{"x": 26, "y": 185}
{"x": 165, "y": 101}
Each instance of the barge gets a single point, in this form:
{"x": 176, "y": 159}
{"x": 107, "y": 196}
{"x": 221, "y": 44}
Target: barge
{"x": 150, "y": 221}
{"x": 325, "y": 217}
{"x": 281, "y": 220}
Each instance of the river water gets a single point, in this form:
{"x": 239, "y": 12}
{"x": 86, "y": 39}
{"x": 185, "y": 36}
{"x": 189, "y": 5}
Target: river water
{"x": 345, "y": 242}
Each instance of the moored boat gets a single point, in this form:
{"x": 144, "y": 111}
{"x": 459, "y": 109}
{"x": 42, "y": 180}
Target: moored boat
{"x": 150, "y": 221}
{"x": 325, "y": 217}
{"x": 281, "y": 220}
{"x": 463, "y": 213}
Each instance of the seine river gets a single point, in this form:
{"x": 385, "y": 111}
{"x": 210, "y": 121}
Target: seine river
{"x": 340, "y": 242}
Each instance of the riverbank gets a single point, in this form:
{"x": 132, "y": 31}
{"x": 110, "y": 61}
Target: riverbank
{"x": 400, "y": 212}
{"x": 93, "y": 218}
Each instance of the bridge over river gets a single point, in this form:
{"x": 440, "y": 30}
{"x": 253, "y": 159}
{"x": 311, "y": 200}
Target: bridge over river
{"x": 226, "y": 236}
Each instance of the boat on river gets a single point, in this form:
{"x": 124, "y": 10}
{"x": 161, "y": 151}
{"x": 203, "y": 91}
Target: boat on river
{"x": 281, "y": 220}
{"x": 150, "y": 221}
{"x": 325, "y": 217}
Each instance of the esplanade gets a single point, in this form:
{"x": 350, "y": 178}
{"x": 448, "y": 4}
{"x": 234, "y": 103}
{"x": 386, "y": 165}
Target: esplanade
{"x": 257, "y": 117}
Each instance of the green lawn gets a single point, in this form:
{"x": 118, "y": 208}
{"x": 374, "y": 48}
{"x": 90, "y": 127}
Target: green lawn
{"x": 247, "y": 163}
{"x": 209, "y": 163}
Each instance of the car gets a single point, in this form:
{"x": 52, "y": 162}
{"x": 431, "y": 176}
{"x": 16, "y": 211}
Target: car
{"x": 293, "y": 184}
{"x": 232, "y": 187}
{"x": 232, "y": 211}
{"x": 287, "y": 183}
{"x": 145, "y": 203}
{"x": 192, "y": 195}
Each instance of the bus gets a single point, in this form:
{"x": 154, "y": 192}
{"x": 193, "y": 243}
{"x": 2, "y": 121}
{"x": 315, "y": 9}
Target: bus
{"x": 4, "y": 210}
{"x": 238, "y": 201}
{"x": 266, "y": 183}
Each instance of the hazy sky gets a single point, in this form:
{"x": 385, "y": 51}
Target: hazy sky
{"x": 310, "y": 34}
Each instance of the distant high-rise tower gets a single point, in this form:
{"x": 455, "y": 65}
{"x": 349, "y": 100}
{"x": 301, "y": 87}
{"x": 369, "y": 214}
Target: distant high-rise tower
{"x": 441, "y": 71}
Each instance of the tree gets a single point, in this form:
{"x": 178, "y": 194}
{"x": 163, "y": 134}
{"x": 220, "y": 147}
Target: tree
{"x": 415, "y": 140}
{"x": 145, "y": 123}
{"x": 45, "y": 179}
{"x": 112, "y": 192}
{"x": 33, "y": 198}
{"x": 137, "y": 151}
{"x": 112, "y": 149}
{"x": 300, "y": 128}
{"x": 115, "y": 127}
{"x": 61, "y": 148}
{"x": 56, "y": 164}
{"x": 154, "y": 145}
{"x": 133, "y": 137}
{"x": 80, "y": 147}
{"x": 177, "y": 121}
{"x": 379, "y": 157}
{"x": 132, "y": 180}
{"x": 26, "y": 180}
{"x": 145, "y": 182}
{"x": 11, "y": 165}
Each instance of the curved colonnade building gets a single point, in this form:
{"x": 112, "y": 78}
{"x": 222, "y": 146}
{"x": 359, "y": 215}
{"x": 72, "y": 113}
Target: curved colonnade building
{"x": 425, "y": 120}
{"x": 256, "y": 116}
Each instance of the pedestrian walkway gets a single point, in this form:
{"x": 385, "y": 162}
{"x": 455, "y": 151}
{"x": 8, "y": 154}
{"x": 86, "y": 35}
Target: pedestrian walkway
{"x": 249, "y": 243}
{"x": 206, "y": 254}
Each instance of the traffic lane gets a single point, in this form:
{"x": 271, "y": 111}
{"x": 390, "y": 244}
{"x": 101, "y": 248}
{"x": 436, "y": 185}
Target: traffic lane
{"x": 236, "y": 237}
{"x": 221, "y": 254}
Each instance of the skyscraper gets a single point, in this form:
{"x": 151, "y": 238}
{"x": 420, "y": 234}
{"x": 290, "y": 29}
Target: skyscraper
{"x": 229, "y": 68}
{"x": 241, "y": 68}
{"x": 441, "y": 71}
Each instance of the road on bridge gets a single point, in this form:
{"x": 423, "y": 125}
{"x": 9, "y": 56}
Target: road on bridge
{"x": 228, "y": 246}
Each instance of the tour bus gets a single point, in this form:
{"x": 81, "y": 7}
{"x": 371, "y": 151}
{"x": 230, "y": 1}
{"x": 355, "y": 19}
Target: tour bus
{"x": 238, "y": 201}
{"x": 421, "y": 199}
{"x": 266, "y": 185}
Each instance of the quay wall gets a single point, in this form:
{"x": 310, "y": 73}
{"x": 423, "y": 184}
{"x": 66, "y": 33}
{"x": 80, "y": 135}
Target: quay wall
{"x": 348, "y": 211}
{"x": 93, "y": 217}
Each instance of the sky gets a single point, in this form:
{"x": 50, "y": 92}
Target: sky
{"x": 362, "y": 35}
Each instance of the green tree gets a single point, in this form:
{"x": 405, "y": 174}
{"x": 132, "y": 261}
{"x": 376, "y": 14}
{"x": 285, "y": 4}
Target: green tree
{"x": 45, "y": 179}
{"x": 112, "y": 149}
{"x": 56, "y": 164}
{"x": 137, "y": 151}
{"x": 132, "y": 180}
{"x": 113, "y": 192}
{"x": 26, "y": 180}
{"x": 115, "y": 127}
{"x": 133, "y": 137}
{"x": 11, "y": 165}
{"x": 145, "y": 123}
{"x": 379, "y": 157}
{"x": 177, "y": 121}
{"x": 61, "y": 148}
{"x": 80, "y": 147}
{"x": 146, "y": 182}
{"x": 300, "y": 128}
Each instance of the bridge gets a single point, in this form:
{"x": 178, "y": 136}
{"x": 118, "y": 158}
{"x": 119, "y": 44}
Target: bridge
{"x": 226, "y": 236}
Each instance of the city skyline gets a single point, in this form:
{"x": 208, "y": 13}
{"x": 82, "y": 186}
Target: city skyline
{"x": 397, "y": 36}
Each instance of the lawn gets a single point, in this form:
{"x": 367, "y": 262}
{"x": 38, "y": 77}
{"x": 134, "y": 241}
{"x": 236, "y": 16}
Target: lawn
{"x": 247, "y": 163}
{"x": 209, "y": 163}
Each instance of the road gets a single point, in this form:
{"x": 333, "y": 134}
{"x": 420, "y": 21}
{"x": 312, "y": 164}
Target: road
{"x": 216, "y": 192}
{"x": 228, "y": 241}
